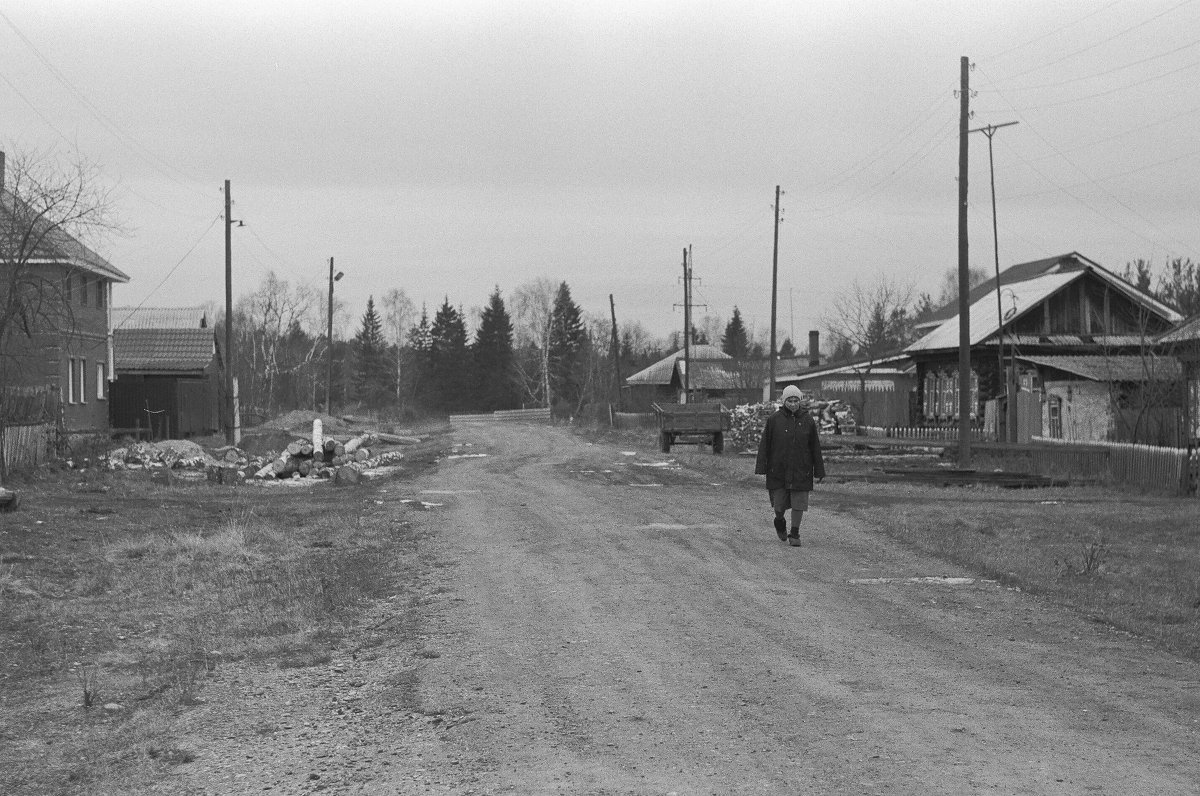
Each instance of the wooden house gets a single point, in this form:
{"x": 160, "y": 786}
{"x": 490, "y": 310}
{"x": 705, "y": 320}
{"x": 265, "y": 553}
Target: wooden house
{"x": 1183, "y": 343}
{"x": 713, "y": 376}
{"x": 1038, "y": 339}
{"x": 881, "y": 391}
{"x": 167, "y": 374}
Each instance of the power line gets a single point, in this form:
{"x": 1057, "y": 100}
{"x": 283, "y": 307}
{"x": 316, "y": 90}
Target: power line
{"x": 107, "y": 123}
{"x": 1111, "y": 38}
{"x": 1060, "y": 29}
{"x": 174, "y": 268}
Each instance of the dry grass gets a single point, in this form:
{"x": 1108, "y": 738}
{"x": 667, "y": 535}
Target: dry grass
{"x": 118, "y": 591}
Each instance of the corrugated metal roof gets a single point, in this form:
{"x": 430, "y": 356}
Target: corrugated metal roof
{"x": 1015, "y": 273}
{"x": 1186, "y": 332}
{"x": 163, "y": 350}
{"x": 57, "y": 246}
{"x": 710, "y": 376}
{"x": 159, "y": 317}
{"x": 1122, "y": 367}
{"x": 660, "y": 372}
{"x": 1108, "y": 341}
{"x": 890, "y": 365}
{"x": 983, "y": 320}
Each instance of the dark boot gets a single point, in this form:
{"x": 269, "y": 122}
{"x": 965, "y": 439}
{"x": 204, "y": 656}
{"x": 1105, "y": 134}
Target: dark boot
{"x": 794, "y": 537}
{"x": 781, "y": 528}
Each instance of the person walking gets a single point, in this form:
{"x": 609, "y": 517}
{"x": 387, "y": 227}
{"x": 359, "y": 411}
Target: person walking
{"x": 789, "y": 455}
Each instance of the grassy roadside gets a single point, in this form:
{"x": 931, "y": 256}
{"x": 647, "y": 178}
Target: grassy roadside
{"x": 119, "y": 596}
{"x": 1122, "y": 558}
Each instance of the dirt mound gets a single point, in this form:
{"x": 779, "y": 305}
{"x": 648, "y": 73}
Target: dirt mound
{"x": 301, "y": 420}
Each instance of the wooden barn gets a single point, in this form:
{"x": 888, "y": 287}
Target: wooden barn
{"x": 167, "y": 377}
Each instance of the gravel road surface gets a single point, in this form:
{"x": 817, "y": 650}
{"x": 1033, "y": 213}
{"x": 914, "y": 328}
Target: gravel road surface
{"x": 595, "y": 620}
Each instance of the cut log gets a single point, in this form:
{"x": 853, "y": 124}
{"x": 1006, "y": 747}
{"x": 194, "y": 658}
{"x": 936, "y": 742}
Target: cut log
{"x": 306, "y": 451}
{"x": 397, "y": 439}
{"x": 354, "y": 444}
{"x": 362, "y": 454}
{"x": 293, "y": 448}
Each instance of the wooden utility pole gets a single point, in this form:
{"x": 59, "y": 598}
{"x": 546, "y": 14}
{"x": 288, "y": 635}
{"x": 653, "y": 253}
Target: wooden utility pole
{"x": 1010, "y": 423}
{"x": 964, "y": 283}
{"x": 329, "y": 342}
{"x": 774, "y": 297}
{"x": 687, "y": 325}
{"x": 616, "y": 350}
{"x": 231, "y": 421}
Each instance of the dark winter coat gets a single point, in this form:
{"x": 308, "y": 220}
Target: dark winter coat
{"x": 789, "y": 453}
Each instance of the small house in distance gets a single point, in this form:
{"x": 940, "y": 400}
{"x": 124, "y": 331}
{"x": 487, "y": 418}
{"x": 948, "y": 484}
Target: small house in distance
{"x": 709, "y": 374}
{"x": 167, "y": 374}
{"x": 882, "y": 391}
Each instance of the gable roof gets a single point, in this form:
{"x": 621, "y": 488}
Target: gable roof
{"x": 57, "y": 246}
{"x": 163, "y": 350}
{"x": 1026, "y": 294}
{"x": 660, "y": 372}
{"x": 1121, "y": 367}
{"x": 159, "y": 318}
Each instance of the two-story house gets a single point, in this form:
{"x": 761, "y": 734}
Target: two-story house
{"x": 55, "y": 323}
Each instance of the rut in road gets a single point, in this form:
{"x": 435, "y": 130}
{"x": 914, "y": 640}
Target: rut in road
{"x": 620, "y": 625}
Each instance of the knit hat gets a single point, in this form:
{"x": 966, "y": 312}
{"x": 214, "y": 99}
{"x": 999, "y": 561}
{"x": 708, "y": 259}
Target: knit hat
{"x": 792, "y": 391}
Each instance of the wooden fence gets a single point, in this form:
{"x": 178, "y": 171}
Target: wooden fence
{"x": 501, "y": 415}
{"x": 939, "y": 433}
{"x": 1146, "y": 466}
{"x": 26, "y": 445}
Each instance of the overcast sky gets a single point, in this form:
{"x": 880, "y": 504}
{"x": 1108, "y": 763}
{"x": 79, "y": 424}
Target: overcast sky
{"x": 446, "y": 147}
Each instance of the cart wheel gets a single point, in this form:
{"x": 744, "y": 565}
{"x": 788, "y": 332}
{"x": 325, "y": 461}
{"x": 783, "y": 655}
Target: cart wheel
{"x": 664, "y": 442}
{"x": 718, "y": 442}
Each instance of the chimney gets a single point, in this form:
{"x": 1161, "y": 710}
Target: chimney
{"x": 814, "y": 349}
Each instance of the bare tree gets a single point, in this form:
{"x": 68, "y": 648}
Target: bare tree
{"x": 268, "y": 317}
{"x": 874, "y": 321}
{"x": 398, "y": 314}
{"x": 533, "y": 304}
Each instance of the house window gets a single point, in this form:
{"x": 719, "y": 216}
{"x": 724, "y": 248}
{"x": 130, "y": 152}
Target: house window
{"x": 71, "y": 380}
{"x": 101, "y": 293}
{"x": 83, "y": 290}
{"x": 100, "y": 381}
{"x": 82, "y": 363}
{"x": 1054, "y": 415}
{"x": 68, "y": 285}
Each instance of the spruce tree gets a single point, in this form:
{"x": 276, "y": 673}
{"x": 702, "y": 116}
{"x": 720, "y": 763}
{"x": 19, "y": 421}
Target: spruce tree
{"x": 371, "y": 377}
{"x": 735, "y": 342}
{"x": 493, "y": 357}
{"x": 567, "y": 350}
{"x": 420, "y": 343}
{"x": 449, "y": 359}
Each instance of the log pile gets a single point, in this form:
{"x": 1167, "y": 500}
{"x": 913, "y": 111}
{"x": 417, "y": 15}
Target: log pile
{"x": 342, "y": 459}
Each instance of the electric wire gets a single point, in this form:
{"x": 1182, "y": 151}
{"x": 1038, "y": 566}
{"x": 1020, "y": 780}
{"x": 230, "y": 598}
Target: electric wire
{"x": 174, "y": 268}
{"x": 129, "y": 141}
{"x": 1033, "y": 128}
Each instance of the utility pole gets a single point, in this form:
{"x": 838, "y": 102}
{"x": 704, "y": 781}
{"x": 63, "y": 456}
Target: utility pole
{"x": 616, "y": 350}
{"x": 687, "y": 326}
{"x": 964, "y": 282}
{"x": 1011, "y": 415}
{"x": 774, "y": 296}
{"x": 231, "y": 421}
{"x": 329, "y": 342}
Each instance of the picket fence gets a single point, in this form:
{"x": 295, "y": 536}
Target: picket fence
{"x": 524, "y": 415}
{"x": 1146, "y": 466}
{"x": 26, "y": 445}
{"x": 938, "y": 433}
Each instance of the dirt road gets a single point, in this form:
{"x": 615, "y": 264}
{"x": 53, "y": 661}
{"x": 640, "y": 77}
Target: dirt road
{"x": 600, "y": 621}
